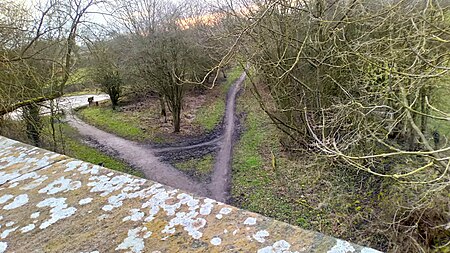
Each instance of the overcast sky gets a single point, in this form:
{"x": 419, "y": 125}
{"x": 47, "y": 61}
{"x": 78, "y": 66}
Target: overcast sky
{"x": 95, "y": 17}
{"x": 96, "y": 10}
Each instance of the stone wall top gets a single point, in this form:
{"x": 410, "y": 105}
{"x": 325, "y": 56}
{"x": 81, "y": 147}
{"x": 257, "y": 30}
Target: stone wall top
{"x": 52, "y": 203}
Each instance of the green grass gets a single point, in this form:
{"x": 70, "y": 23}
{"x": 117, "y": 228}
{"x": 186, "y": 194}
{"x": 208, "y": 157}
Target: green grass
{"x": 114, "y": 122}
{"x": 83, "y": 152}
{"x": 254, "y": 186}
{"x": 201, "y": 167}
{"x": 209, "y": 116}
{"x": 70, "y": 143}
{"x": 301, "y": 190}
{"x": 442, "y": 102}
{"x": 75, "y": 148}
{"x": 80, "y": 83}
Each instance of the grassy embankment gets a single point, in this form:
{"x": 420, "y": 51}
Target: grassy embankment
{"x": 124, "y": 125}
{"x": 199, "y": 168}
{"x": 80, "y": 83}
{"x": 295, "y": 188}
{"x": 68, "y": 142}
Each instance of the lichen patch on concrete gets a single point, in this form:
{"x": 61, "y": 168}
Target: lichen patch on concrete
{"x": 60, "y": 185}
{"x": 59, "y": 210}
{"x": 3, "y": 246}
{"x": 18, "y": 201}
{"x": 133, "y": 241}
{"x": 27, "y": 228}
{"x": 250, "y": 221}
{"x": 85, "y": 201}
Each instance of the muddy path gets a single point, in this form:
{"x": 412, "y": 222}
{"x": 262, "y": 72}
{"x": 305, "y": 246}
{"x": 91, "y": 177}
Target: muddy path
{"x": 139, "y": 157}
{"x": 154, "y": 160}
{"x": 221, "y": 177}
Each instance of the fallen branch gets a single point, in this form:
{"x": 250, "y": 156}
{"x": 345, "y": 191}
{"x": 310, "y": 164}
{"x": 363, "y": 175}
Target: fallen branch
{"x": 21, "y": 104}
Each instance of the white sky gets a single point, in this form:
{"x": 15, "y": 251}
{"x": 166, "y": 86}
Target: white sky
{"x": 97, "y": 18}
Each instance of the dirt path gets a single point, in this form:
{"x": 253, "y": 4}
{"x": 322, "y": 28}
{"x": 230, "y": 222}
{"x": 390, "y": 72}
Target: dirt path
{"x": 221, "y": 177}
{"x": 139, "y": 157}
{"x": 147, "y": 158}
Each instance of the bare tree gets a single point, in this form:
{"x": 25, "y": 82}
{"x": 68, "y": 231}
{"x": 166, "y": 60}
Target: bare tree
{"x": 47, "y": 40}
{"x": 166, "y": 54}
{"x": 107, "y": 68}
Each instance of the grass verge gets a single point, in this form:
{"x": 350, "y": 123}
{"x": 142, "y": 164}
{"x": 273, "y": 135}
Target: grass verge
{"x": 77, "y": 149}
{"x": 253, "y": 185}
{"x": 114, "y": 122}
{"x": 68, "y": 142}
{"x": 200, "y": 168}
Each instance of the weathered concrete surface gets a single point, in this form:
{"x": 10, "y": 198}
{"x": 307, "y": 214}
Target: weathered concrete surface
{"x": 53, "y": 203}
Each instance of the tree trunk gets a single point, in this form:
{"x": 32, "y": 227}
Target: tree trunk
{"x": 52, "y": 124}
{"x": 176, "y": 118}
{"x": 423, "y": 109}
{"x": 2, "y": 122}
{"x": 162, "y": 103}
{"x": 113, "y": 101}
{"x": 223, "y": 73}
{"x": 114, "y": 97}
{"x": 33, "y": 123}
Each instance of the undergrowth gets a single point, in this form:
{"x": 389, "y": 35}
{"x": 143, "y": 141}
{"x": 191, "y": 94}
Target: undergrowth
{"x": 320, "y": 193}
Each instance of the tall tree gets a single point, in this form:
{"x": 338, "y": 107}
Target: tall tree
{"x": 107, "y": 68}
{"x": 40, "y": 42}
{"x": 166, "y": 54}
